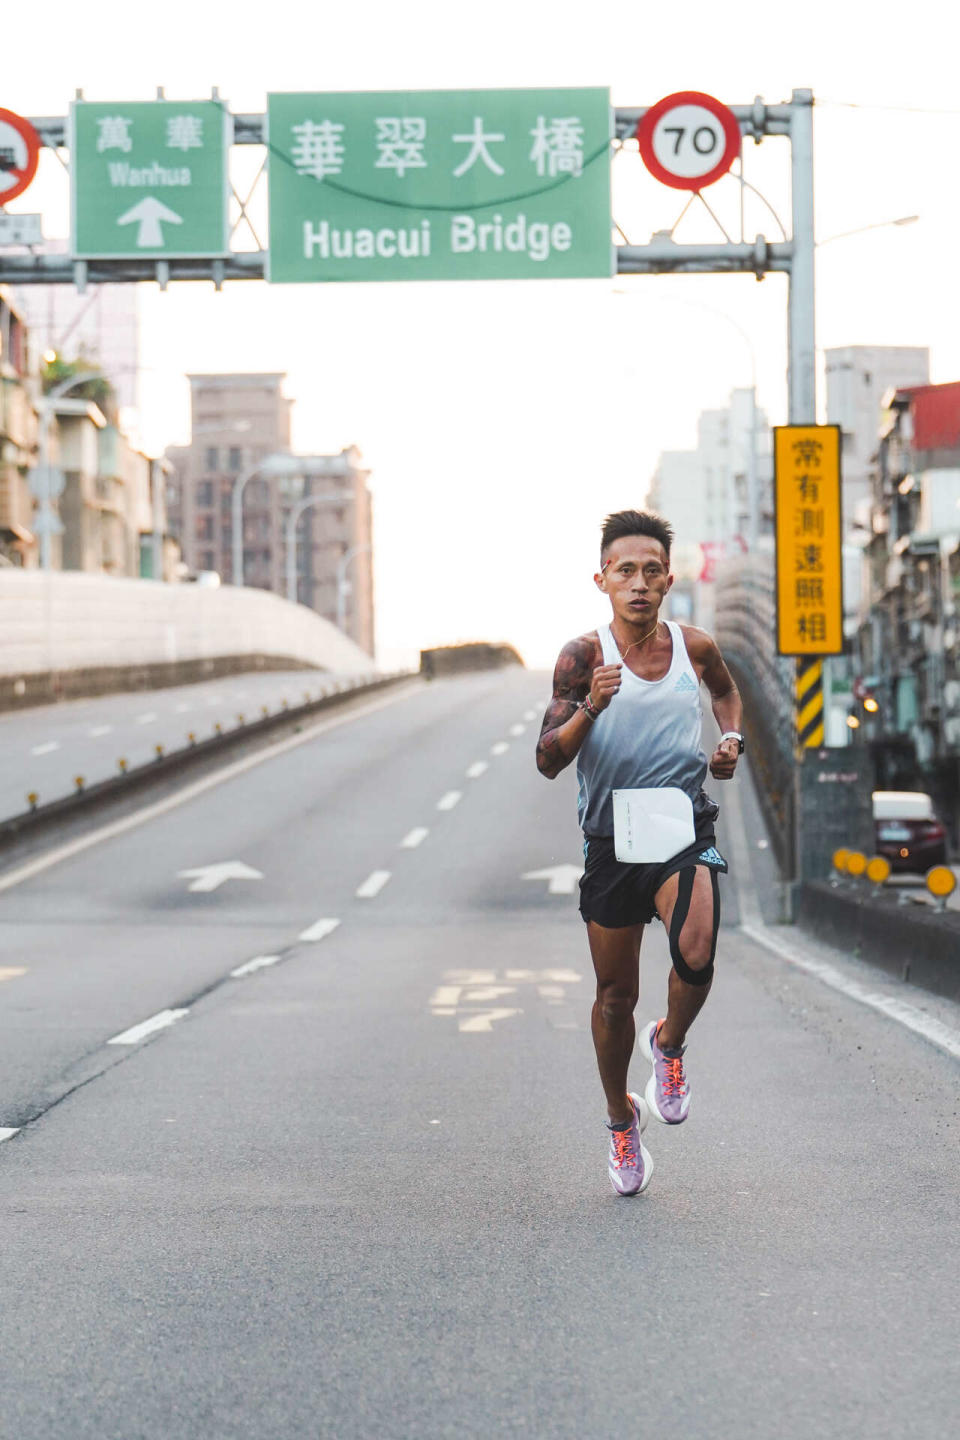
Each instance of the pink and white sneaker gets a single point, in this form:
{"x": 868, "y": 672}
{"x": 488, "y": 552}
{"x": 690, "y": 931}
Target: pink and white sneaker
{"x": 668, "y": 1090}
{"x": 631, "y": 1166}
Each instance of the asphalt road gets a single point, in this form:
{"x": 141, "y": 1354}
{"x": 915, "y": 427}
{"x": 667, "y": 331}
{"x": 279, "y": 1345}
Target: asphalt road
{"x": 359, "y": 1189}
{"x": 46, "y": 747}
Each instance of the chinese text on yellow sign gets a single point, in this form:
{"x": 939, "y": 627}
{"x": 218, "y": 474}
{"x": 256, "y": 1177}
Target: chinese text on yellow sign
{"x": 808, "y": 534}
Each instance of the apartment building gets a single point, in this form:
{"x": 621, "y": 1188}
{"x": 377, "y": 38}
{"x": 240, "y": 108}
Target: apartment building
{"x": 238, "y": 421}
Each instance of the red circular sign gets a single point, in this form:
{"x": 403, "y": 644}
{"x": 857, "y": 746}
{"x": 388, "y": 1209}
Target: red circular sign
{"x": 19, "y": 154}
{"x": 689, "y": 140}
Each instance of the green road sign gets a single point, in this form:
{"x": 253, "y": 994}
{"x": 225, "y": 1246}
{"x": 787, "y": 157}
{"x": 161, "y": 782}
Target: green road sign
{"x": 440, "y": 185}
{"x": 149, "y": 178}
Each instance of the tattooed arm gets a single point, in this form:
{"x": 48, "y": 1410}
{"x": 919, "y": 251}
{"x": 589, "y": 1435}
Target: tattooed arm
{"x": 580, "y": 672}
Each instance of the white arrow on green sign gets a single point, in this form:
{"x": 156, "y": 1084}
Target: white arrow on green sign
{"x": 150, "y": 178}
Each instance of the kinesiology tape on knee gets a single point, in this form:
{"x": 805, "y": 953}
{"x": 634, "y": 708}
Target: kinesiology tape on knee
{"x": 681, "y": 909}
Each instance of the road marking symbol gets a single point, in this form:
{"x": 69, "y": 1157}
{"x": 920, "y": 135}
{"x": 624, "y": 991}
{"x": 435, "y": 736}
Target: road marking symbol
{"x": 373, "y": 884}
{"x": 140, "y": 1032}
{"x": 414, "y": 837}
{"x": 319, "y": 930}
{"x": 260, "y": 962}
{"x": 46, "y": 749}
{"x": 210, "y": 877}
{"x": 477, "y": 769}
{"x": 452, "y": 797}
{"x": 483, "y": 1022}
{"x": 563, "y": 878}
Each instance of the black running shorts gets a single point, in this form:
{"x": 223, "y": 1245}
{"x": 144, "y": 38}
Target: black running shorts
{"x": 614, "y": 894}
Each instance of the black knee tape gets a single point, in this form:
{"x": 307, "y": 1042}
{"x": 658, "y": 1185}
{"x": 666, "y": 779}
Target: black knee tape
{"x": 680, "y": 911}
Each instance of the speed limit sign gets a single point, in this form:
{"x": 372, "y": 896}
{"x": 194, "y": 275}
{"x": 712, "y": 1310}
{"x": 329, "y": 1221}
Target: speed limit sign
{"x": 689, "y": 140}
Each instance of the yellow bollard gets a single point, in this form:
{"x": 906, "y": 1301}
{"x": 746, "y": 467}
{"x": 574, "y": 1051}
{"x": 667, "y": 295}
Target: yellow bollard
{"x": 158, "y": 751}
{"x": 878, "y": 871}
{"x": 122, "y": 765}
{"x": 840, "y": 858}
{"x": 33, "y": 799}
{"x": 79, "y": 781}
{"x": 856, "y": 864}
{"x": 941, "y": 882}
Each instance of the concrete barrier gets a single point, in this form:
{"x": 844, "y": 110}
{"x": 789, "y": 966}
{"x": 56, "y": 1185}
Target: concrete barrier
{"x": 64, "y": 635}
{"x": 914, "y": 943}
{"x": 460, "y": 659}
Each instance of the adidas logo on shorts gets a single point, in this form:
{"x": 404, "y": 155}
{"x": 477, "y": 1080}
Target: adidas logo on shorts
{"x": 684, "y": 683}
{"x": 712, "y": 857}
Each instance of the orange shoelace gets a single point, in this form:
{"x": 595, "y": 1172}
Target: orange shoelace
{"x": 674, "y": 1083}
{"x": 626, "y": 1153}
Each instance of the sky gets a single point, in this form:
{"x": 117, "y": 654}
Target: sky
{"x": 502, "y": 421}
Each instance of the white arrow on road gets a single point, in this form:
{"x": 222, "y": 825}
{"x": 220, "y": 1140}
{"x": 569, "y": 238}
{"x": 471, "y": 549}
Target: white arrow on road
{"x": 563, "y": 878}
{"x": 211, "y": 877}
{"x": 148, "y": 214}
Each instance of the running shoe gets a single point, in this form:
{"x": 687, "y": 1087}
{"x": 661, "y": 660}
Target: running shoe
{"x": 668, "y": 1090}
{"x": 630, "y": 1164}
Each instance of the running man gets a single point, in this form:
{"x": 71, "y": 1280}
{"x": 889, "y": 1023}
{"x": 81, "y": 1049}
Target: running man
{"x": 626, "y": 705}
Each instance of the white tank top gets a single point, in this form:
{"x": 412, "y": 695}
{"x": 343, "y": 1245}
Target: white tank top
{"x": 649, "y": 735}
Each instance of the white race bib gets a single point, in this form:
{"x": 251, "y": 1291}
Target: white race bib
{"x": 651, "y": 826}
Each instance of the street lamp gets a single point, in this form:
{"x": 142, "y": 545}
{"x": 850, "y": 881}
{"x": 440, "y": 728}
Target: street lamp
{"x": 862, "y": 229}
{"x": 274, "y": 466}
{"x": 342, "y": 587}
{"x": 46, "y": 415}
{"x": 307, "y": 503}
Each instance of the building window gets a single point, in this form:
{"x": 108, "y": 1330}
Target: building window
{"x": 205, "y": 492}
{"x": 206, "y": 560}
{"x": 213, "y": 458}
{"x": 205, "y": 527}
{"x": 234, "y": 458}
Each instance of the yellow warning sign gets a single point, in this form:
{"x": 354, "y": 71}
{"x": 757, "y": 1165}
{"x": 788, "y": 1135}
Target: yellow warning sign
{"x": 809, "y": 539}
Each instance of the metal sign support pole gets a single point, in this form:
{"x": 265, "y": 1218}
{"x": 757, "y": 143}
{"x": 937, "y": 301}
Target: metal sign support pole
{"x": 802, "y": 371}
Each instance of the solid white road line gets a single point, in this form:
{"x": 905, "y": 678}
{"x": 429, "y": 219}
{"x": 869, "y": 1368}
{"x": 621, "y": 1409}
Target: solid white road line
{"x": 944, "y": 1037}
{"x": 447, "y": 802}
{"x": 99, "y": 730}
{"x": 373, "y": 884}
{"x": 147, "y": 1027}
{"x": 414, "y": 837}
{"x": 500, "y": 748}
{"x": 260, "y": 962}
{"x": 190, "y": 792}
{"x": 477, "y": 769}
{"x": 319, "y": 930}
{"x": 7, "y": 1132}
{"x": 147, "y": 719}
{"x": 45, "y": 749}
{"x": 11, "y": 972}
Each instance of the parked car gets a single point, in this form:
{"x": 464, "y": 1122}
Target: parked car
{"x": 907, "y": 831}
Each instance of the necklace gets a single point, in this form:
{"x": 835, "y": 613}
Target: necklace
{"x": 625, "y": 653}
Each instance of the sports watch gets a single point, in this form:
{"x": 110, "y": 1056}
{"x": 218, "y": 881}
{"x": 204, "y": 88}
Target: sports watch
{"x": 734, "y": 735}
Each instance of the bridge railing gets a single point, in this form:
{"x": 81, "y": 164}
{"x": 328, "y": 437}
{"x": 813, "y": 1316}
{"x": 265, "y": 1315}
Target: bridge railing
{"x": 745, "y": 631}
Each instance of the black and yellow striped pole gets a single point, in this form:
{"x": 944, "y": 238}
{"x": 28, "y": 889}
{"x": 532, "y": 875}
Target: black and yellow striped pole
{"x": 809, "y": 702}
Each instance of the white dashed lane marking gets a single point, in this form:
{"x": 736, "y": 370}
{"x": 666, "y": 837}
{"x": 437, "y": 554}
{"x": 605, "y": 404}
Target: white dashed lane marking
{"x": 147, "y": 1027}
{"x": 500, "y": 748}
{"x": 99, "y": 730}
{"x": 11, "y": 972}
{"x": 414, "y": 837}
{"x": 260, "y": 962}
{"x": 373, "y": 884}
{"x": 46, "y": 749}
{"x": 320, "y": 929}
{"x": 476, "y": 769}
{"x": 447, "y": 802}
{"x": 146, "y": 719}
{"x": 518, "y": 729}
{"x": 529, "y": 715}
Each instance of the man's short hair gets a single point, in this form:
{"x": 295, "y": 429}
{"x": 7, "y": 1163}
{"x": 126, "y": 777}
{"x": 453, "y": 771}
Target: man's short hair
{"x": 635, "y": 522}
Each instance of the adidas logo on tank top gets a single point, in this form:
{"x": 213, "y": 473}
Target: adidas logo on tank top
{"x": 684, "y": 683}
